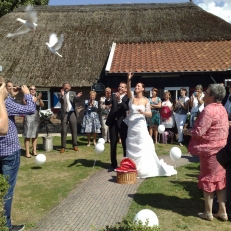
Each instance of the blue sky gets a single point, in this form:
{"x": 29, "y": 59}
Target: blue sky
{"x": 221, "y": 8}
{"x": 85, "y": 2}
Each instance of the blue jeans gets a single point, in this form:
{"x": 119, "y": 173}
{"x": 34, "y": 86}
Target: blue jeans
{"x": 192, "y": 118}
{"x": 9, "y": 168}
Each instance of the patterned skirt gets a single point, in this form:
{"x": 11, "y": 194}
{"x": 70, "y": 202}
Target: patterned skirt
{"x": 154, "y": 120}
{"x": 91, "y": 123}
{"x": 31, "y": 126}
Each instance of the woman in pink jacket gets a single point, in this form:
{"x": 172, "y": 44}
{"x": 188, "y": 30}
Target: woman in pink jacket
{"x": 209, "y": 135}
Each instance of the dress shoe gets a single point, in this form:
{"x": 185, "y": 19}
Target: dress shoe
{"x": 76, "y": 148}
{"x": 62, "y": 150}
{"x": 17, "y": 227}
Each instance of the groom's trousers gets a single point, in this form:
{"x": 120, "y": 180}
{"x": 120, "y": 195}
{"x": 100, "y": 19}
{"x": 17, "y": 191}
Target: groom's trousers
{"x": 114, "y": 130}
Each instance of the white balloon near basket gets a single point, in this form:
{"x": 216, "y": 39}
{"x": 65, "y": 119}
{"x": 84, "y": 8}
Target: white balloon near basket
{"x": 99, "y": 148}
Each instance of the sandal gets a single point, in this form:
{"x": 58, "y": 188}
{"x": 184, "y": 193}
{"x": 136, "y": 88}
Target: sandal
{"x": 28, "y": 156}
{"x": 205, "y": 216}
{"x": 223, "y": 217}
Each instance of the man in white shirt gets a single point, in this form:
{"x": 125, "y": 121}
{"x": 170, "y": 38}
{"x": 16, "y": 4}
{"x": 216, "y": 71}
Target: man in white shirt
{"x": 69, "y": 115}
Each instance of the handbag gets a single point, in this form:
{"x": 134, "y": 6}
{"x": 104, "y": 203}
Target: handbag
{"x": 224, "y": 156}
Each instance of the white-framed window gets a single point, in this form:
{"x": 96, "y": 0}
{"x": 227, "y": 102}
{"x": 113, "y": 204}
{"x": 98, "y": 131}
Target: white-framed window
{"x": 45, "y": 97}
{"x": 175, "y": 91}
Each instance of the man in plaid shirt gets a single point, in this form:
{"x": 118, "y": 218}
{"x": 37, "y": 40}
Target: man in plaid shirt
{"x": 10, "y": 150}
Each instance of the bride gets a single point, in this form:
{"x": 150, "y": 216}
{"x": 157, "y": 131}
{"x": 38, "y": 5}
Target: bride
{"x": 140, "y": 146}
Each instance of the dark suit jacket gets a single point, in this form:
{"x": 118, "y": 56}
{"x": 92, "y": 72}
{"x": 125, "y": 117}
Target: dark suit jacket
{"x": 73, "y": 100}
{"x": 118, "y": 110}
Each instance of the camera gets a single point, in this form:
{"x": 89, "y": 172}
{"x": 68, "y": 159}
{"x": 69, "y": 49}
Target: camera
{"x": 227, "y": 82}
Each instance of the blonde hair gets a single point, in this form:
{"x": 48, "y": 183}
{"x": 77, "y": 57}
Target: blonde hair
{"x": 107, "y": 89}
{"x": 167, "y": 93}
{"x": 93, "y": 93}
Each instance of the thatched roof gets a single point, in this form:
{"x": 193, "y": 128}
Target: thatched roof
{"x": 89, "y": 32}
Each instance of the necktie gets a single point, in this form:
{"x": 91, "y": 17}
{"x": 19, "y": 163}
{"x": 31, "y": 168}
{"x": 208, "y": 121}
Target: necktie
{"x": 67, "y": 103}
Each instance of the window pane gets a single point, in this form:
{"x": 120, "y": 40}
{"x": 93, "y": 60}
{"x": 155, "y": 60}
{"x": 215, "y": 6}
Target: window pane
{"x": 45, "y": 105}
{"x": 45, "y": 95}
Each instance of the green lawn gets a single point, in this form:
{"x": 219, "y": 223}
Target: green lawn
{"x": 40, "y": 188}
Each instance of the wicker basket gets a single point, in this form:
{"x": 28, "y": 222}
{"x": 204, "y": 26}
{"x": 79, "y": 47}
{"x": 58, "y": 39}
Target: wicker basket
{"x": 126, "y": 177}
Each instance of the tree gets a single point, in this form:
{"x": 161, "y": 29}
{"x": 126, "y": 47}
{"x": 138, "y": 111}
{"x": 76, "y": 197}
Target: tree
{"x": 6, "y": 6}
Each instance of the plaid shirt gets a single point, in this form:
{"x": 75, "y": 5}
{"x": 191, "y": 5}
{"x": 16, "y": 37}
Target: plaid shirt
{"x": 10, "y": 142}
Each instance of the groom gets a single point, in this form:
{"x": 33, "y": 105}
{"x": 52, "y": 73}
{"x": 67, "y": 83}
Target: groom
{"x": 119, "y": 108}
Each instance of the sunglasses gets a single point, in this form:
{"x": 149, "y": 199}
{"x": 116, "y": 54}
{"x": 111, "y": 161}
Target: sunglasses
{"x": 33, "y": 89}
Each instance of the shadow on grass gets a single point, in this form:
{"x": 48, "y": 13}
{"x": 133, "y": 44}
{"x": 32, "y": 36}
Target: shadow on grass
{"x": 189, "y": 206}
{"x": 192, "y": 159}
{"x": 88, "y": 163}
{"x": 36, "y": 167}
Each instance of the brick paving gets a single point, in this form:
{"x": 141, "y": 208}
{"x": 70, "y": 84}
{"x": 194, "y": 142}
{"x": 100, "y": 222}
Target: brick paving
{"x": 95, "y": 203}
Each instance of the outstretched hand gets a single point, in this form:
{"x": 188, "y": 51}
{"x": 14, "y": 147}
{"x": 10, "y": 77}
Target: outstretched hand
{"x": 130, "y": 75}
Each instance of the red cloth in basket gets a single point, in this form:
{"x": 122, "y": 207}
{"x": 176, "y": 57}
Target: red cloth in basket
{"x": 127, "y": 165}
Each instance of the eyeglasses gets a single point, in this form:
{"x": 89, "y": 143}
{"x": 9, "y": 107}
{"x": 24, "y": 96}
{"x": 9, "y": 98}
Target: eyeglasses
{"x": 31, "y": 89}
{"x": 208, "y": 93}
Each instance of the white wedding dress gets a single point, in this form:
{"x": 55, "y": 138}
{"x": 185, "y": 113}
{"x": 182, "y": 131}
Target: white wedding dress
{"x": 140, "y": 146}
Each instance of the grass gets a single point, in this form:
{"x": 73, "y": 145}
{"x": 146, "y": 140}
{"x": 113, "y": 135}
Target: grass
{"x": 40, "y": 188}
{"x": 176, "y": 202}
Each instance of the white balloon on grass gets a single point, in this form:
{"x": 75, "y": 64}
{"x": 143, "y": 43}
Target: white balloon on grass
{"x": 101, "y": 140}
{"x": 146, "y": 216}
{"x": 161, "y": 128}
{"x": 175, "y": 153}
{"x": 99, "y": 147}
{"x": 40, "y": 159}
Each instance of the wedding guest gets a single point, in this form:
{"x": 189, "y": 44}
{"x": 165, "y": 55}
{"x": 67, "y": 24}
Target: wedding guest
{"x": 31, "y": 123}
{"x": 228, "y": 103}
{"x": 167, "y": 118}
{"x": 196, "y": 103}
{"x": 91, "y": 123}
{"x": 10, "y": 150}
{"x": 140, "y": 146}
{"x": 115, "y": 121}
{"x": 69, "y": 115}
{"x": 13, "y": 91}
{"x": 180, "y": 113}
{"x": 105, "y": 109}
{"x": 154, "y": 121}
{"x": 3, "y": 113}
{"x": 209, "y": 135}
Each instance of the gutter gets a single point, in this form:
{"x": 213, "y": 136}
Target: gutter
{"x": 110, "y": 58}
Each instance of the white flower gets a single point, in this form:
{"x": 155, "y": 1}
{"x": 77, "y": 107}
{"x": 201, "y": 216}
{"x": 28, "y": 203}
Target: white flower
{"x": 46, "y": 114}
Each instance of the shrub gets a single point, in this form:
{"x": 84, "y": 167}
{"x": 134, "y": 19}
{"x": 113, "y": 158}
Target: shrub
{"x": 127, "y": 226}
{"x": 3, "y": 190}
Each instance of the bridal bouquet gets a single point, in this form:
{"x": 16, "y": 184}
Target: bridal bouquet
{"x": 46, "y": 114}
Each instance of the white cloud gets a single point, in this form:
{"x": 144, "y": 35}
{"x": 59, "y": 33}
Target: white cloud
{"x": 219, "y": 8}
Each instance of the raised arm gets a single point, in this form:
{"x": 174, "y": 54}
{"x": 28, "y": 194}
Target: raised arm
{"x": 129, "y": 92}
{"x": 3, "y": 112}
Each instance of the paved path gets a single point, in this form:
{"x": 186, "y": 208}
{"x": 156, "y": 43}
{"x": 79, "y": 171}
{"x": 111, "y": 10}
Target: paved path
{"x": 96, "y": 202}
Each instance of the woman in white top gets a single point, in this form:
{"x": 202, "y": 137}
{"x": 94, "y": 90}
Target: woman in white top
{"x": 196, "y": 104}
{"x": 140, "y": 146}
{"x": 180, "y": 113}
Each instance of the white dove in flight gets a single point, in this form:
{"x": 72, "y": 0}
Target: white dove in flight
{"x": 55, "y": 43}
{"x": 28, "y": 24}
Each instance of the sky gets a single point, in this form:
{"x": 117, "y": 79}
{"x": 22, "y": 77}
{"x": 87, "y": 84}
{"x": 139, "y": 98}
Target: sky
{"x": 221, "y": 8}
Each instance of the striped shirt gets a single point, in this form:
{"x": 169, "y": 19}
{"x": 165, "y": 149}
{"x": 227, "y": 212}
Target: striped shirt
{"x": 10, "y": 142}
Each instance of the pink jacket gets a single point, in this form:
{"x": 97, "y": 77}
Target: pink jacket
{"x": 210, "y": 131}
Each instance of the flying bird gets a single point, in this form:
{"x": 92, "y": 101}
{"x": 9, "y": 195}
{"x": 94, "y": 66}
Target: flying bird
{"x": 29, "y": 24}
{"x": 55, "y": 43}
